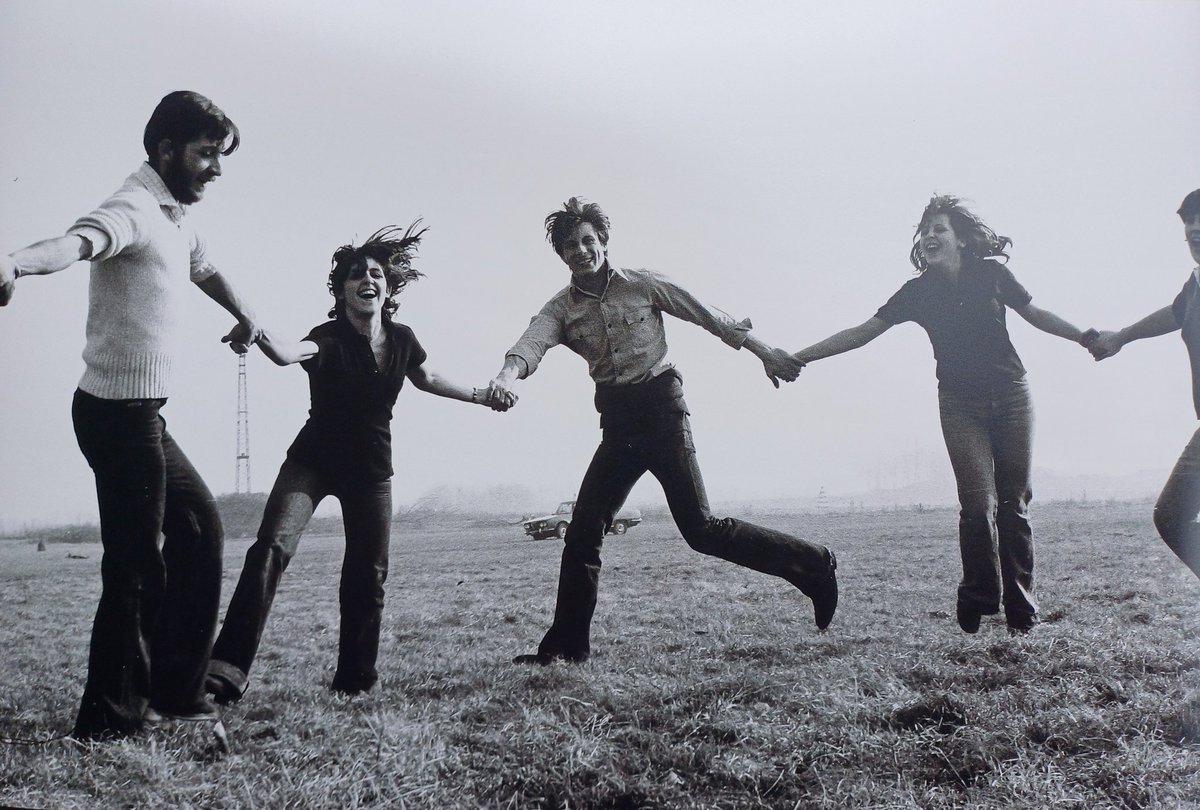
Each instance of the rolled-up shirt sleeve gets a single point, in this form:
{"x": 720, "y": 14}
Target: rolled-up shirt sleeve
{"x": 678, "y": 302}
{"x": 112, "y": 227}
{"x": 201, "y": 268}
{"x": 545, "y": 331}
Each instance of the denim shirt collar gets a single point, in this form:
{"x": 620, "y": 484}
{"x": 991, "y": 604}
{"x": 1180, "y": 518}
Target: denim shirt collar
{"x": 616, "y": 272}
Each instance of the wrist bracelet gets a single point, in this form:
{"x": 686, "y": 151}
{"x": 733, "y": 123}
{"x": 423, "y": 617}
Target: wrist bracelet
{"x": 475, "y": 395}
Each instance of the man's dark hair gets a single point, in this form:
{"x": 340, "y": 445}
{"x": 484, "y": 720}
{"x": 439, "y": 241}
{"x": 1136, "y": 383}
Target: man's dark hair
{"x": 1190, "y": 206}
{"x": 393, "y": 248}
{"x": 979, "y": 240}
{"x": 574, "y": 212}
{"x": 183, "y": 116}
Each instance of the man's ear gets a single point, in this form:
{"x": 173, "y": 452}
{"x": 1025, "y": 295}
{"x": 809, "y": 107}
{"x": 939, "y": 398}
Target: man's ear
{"x": 164, "y": 152}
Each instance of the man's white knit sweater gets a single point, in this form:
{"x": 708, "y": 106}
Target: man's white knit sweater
{"x": 143, "y": 254}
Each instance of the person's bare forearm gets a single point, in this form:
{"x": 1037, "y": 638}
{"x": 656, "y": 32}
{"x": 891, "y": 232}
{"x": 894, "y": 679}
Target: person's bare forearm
{"x": 1157, "y": 323}
{"x": 437, "y": 384}
{"x": 846, "y": 340}
{"x": 39, "y": 259}
{"x": 51, "y": 255}
{"x": 221, "y": 289}
{"x": 285, "y": 352}
{"x": 1050, "y": 323}
{"x": 756, "y": 347}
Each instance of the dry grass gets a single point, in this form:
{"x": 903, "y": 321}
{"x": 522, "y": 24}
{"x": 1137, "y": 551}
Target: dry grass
{"x": 709, "y": 686}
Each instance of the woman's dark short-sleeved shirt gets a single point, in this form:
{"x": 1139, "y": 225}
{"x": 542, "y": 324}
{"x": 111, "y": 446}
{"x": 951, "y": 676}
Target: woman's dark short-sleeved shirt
{"x": 965, "y": 323}
{"x": 1186, "y": 308}
{"x": 348, "y": 433}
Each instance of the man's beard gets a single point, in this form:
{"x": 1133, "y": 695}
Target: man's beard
{"x": 179, "y": 182}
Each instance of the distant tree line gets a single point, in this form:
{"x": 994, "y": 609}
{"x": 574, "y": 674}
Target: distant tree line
{"x": 242, "y": 512}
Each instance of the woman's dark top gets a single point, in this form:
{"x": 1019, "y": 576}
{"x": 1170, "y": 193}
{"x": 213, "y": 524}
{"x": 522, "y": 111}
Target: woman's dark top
{"x": 1186, "y": 309}
{"x": 348, "y": 433}
{"x": 965, "y": 323}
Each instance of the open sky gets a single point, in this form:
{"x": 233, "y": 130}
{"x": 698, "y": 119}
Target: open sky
{"x": 773, "y": 157}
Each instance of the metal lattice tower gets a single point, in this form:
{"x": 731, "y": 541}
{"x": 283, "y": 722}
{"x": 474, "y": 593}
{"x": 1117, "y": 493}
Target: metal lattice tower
{"x": 242, "y": 476}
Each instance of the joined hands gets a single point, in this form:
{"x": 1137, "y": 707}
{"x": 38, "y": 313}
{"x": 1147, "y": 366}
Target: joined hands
{"x": 1101, "y": 345}
{"x": 499, "y": 397}
{"x": 242, "y": 337}
{"x": 780, "y": 365}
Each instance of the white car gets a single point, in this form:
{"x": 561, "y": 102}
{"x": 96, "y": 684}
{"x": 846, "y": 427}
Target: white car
{"x": 555, "y": 525}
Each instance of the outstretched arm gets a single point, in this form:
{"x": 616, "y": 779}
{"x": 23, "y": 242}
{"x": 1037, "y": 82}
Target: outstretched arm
{"x": 846, "y": 340}
{"x": 678, "y": 302}
{"x": 431, "y": 382}
{"x": 1050, "y": 323}
{"x": 39, "y": 259}
{"x": 1157, "y": 323}
{"x": 281, "y": 352}
{"x": 221, "y": 290}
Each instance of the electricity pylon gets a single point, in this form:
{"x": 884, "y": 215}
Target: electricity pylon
{"x": 242, "y": 476}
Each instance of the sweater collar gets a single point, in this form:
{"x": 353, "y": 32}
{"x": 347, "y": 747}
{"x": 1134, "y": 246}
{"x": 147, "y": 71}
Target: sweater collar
{"x": 147, "y": 177}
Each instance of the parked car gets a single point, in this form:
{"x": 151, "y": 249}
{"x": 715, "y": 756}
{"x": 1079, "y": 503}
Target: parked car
{"x": 555, "y": 525}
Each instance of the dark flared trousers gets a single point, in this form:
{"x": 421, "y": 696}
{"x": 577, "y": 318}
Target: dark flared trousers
{"x": 666, "y": 451}
{"x": 367, "y": 516}
{"x": 154, "y": 626}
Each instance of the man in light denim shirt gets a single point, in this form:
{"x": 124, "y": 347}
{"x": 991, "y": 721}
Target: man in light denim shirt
{"x": 613, "y": 318}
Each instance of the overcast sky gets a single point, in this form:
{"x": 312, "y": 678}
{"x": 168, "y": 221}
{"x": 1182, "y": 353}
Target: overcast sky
{"x": 773, "y": 157}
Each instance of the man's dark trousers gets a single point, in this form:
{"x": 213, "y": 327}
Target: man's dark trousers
{"x": 154, "y": 626}
{"x": 660, "y": 444}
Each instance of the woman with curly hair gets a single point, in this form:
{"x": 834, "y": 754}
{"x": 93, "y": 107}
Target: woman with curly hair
{"x": 356, "y": 363}
{"x": 959, "y": 299}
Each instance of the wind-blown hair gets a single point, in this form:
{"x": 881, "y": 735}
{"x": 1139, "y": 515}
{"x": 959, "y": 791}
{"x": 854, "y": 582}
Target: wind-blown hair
{"x": 1190, "y": 206}
{"x": 183, "y": 116}
{"x": 979, "y": 240}
{"x": 574, "y": 212}
{"x": 394, "y": 249}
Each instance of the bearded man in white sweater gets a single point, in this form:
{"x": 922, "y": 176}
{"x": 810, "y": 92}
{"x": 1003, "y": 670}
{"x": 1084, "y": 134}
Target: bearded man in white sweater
{"x": 154, "y": 626}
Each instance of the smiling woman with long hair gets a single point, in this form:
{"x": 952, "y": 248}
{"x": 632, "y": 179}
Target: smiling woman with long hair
{"x": 356, "y": 363}
{"x": 959, "y": 298}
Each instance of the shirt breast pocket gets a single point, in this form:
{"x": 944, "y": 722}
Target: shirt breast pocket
{"x": 640, "y": 323}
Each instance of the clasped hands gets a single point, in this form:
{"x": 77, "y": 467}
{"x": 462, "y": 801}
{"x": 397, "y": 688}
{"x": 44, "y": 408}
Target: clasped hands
{"x": 499, "y": 397}
{"x": 1102, "y": 345}
{"x": 242, "y": 336}
{"x": 780, "y": 365}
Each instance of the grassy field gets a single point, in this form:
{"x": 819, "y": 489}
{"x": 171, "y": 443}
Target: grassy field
{"x": 709, "y": 686}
